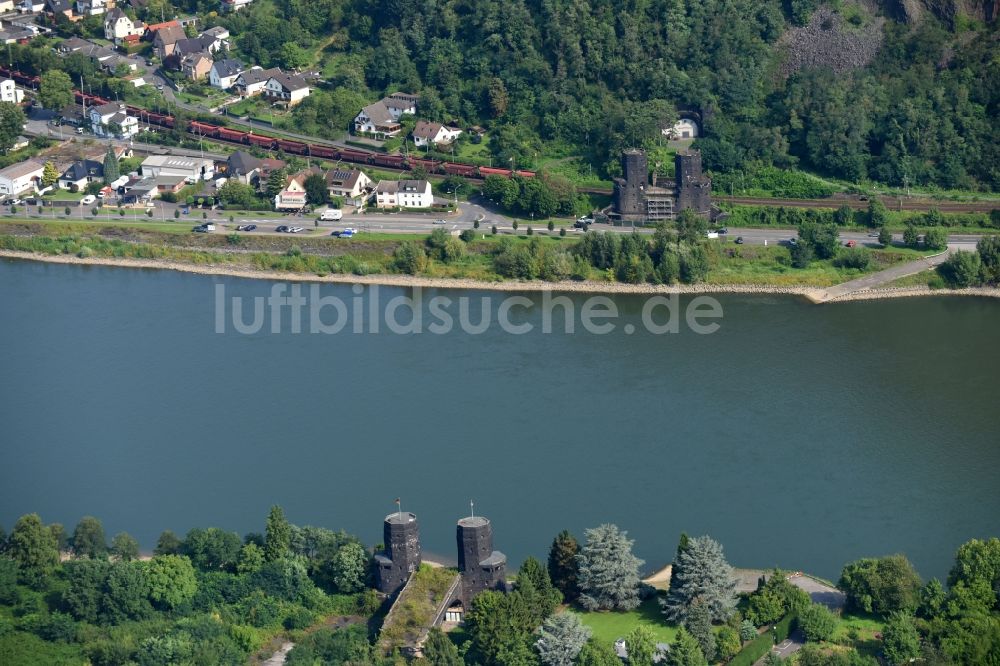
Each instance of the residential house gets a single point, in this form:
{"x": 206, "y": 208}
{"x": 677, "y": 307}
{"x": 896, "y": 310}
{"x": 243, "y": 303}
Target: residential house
{"x": 9, "y": 92}
{"x": 293, "y": 197}
{"x": 165, "y": 40}
{"x": 111, "y": 119}
{"x": 72, "y": 115}
{"x": 243, "y": 166}
{"x": 196, "y": 66}
{"x": 191, "y": 168}
{"x": 403, "y": 194}
{"x": 74, "y": 44}
{"x": 287, "y": 88}
{"x": 172, "y": 184}
{"x": 382, "y": 117}
{"x": 6, "y": 6}
{"x": 224, "y": 73}
{"x": 353, "y": 185}
{"x": 267, "y": 166}
{"x": 92, "y": 7}
{"x": 428, "y": 134}
{"x": 21, "y": 177}
{"x": 56, "y": 7}
{"x": 31, "y": 6}
{"x": 110, "y": 62}
{"x": 17, "y": 34}
{"x": 234, "y": 5}
{"x": 137, "y": 191}
{"x": 119, "y": 28}
{"x": 253, "y": 81}
{"x": 79, "y": 173}
{"x": 201, "y": 44}
{"x": 218, "y": 32}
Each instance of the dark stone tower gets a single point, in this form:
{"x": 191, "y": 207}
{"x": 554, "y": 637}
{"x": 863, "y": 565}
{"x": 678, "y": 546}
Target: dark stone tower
{"x": 401, "y": 552}
{"x": 481, "y": 567}
{"x": 630, "y": 190}
{"x": 694, "y": 189}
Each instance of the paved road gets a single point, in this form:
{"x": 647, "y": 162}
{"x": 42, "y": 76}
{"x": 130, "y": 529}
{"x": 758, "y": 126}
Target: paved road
{"x": 888, "y": 275}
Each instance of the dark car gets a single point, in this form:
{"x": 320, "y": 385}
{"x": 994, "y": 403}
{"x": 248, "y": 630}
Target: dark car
{"x": 246, "y": 227}
{"x": 739, "y": 240}
{"x": 723, "y": 230}
{"x": 281, "y": 228}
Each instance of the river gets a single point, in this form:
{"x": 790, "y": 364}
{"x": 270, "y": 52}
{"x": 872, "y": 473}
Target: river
{"x": 799, "y": 436}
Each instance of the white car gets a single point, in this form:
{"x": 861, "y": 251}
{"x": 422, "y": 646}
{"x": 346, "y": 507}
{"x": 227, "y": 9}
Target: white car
{"x": 87, "y": 200}
{"x": 14, "y": 202}
{"x": 295, "y": 230}
{"x": 440, "y": 222}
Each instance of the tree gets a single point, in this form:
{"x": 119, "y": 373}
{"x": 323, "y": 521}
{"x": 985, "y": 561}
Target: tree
{"x": 727, "y": 643}
{"x": 294, "y": 56}
{"x": 563, "y": 567}
{"x": 349, "y": 567}
{"x": 88, "y": 538}
{"x": 167, "y": 544}
{"x": 276, "y": 182}
{"x": 877, "y": 213}
{"x": 988, "y": 248}
{"x": 251, "y": 558}
{"x": 802, "y": 255}
{"x": 900, "y": 640}
{"x": 49, "y": 174}
{"x": 211, "y": 549}
{"x": 85, "y": 587}
{"x": 126, "y": 593}
{"x": 608, "y": 571}
{"x": 11, "y": 125}
{"x": 8, "y": 581}
{"x": 597, "y": 654}
{"x": 748, "y": 632}
{"x": 111, "y": 170}
{"x": 535, "y": 585}
{"x": 236, "y": 194}
{"x": 316, "y": 190}
{"x": 884, "y": 237}
{"x": 410, "y": 257}
{"x": 124, "y": 547}
{"x": 640, "y": 644}
{"x": 881, "y": 585}
{"x": 694, "y": 265}
{"x": 278, "y": 535}
{"x": 439, "y": 650}
{"x": 703, "y": 573}
{"x": 936, "y": 238}
{"x": 55, "y": 90}
{"x": 684, "y": 651}
{"x": 172, "y": 581}
{"x": 690, "y": 226}
{"x": 844, "y": 216}
{"x": 975, "y": 577}
{"x": 498, "y": 623}
{"x": 817, "y": 622}
{"x": 699, "y": 625}
{"x": 962, "y": 269}
{"x": 561, "y": 639}
{"x": 911, "y": 238}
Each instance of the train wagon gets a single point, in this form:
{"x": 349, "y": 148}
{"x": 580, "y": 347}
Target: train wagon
{"x": 262, "y": 141}
{"x": 526, "y": 174}
{"x": 493, "y": 171}
{"x": 202, "y": 129}
{"x": 394, "y": 161}
{"x": 354, "y": 156}
{"x": 232, "y": 135}
{"x": 325, "y": 151}
{"x": 294, "y": 147}
{"x": 455, "y": 169}
{"x": 430, "y": 166}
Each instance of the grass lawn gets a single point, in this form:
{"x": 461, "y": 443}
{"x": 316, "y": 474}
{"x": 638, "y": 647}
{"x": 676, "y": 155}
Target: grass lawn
{"x": 859, "y": 628}
{"x": 608, "y": 627}
{"x": 575, "y": 170}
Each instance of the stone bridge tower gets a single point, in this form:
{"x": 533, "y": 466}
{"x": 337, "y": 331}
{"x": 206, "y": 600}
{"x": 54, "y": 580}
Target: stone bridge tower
{"x": 400, "y": 556}
{"x": 481, "y": 567}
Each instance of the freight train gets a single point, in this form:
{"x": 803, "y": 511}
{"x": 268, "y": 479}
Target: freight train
{"x": 204, "y": 129}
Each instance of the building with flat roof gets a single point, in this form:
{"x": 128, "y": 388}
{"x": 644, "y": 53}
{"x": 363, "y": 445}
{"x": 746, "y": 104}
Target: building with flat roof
{"x": 193, "y": 168}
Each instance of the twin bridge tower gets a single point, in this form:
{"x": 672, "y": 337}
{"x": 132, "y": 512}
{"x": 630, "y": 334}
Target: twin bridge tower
{"x": 480, "y": 567}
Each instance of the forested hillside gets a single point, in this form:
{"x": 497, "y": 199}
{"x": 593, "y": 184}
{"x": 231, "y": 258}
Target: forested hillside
{"x": 914, "y": 99}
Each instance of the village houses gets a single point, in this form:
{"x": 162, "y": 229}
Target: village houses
{"x": 381, "y": 119}
{"x": 403, "y": 194}
{"x": 20, "y": 177}
{"x": 352, "y": 185}
{"x": 293, "y": 197}
{"x": 9, "y": 92}
{"x": 428, "y": 134}
{"x": 289, "y": 89}
{"x": 120, "y": 29}
{"x": 224, "y": 73}
{"x": 112, "y": 119}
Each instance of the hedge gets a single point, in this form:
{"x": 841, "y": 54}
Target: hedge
{"x": 761, "y": 645}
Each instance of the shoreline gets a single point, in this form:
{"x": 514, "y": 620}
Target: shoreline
{"x": 588, "y": 287}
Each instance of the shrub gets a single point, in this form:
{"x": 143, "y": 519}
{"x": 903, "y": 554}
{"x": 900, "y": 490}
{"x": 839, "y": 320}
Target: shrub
{"x": 67, "y": 211}
{"x": 177, "y": 213}
{"x": 551, "y": 225}
{"x": 962, "y": 269}
{"x": 410, "y": 258}
{"x": 493, "y": 230}
{"x": 562, "y": 231}
{"x": 475, "y": 225}
{"x": 530, "y": 231}
{"x": 854, "y": 257}
{"x": 85, "y": 252}
{"x": 817, "y": 622}
{"x": 467, "y": 235}
{"x": 936, "y": 238}
{"x": 884, "y": 237}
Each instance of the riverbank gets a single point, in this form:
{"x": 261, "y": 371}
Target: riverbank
{"x": 410, "y": 281}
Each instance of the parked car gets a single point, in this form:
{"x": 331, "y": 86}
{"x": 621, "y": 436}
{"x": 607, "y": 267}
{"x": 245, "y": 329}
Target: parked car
{"x": 711, "y": 234}
{"x": 295, "y": 230}
{"x": 346, "y": 233}
{"x": 331, "y": 214}
{"x": 440, "y": 222}
{"x": 739, "y": 240}
{"x": 203, "y": 228}
{"x": 793, "y": 242}
{"x": 850, "y": 243}
{"x": 87, "y": 200}
{"x": 873, "y": 234}
{"x": 14, "y": 202}
{"x": 246, "y": 227}
{"x": 281, "y": 228}
{"x": 582, "y": 223}
{"x": 723, "y": 230}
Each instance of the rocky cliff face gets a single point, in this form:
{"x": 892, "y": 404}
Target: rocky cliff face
{"x": 946, "y": 10}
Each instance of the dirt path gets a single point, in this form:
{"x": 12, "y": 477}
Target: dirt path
{"x": 876, "y": 280}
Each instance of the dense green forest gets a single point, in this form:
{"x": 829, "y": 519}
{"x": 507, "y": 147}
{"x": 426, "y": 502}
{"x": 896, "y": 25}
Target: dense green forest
{"x": 553, "y": 77}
